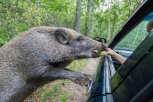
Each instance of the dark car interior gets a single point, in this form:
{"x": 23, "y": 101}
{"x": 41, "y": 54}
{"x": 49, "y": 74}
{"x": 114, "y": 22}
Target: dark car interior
{"x": 133, "y": 80}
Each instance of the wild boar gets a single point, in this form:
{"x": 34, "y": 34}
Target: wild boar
{"x": 39, "y": 56}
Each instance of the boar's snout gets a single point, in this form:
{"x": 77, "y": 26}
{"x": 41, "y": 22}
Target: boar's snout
{"x": 100, "y": 47}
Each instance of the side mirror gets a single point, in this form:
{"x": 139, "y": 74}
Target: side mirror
{"x": 103, "y": 40}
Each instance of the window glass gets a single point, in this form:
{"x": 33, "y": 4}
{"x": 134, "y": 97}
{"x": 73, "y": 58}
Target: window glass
{"x": 134, "y": 38}
{"x": 127, "y": 45}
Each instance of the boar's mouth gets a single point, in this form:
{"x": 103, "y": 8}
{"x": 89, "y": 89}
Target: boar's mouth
{"x": 95, "y": 53}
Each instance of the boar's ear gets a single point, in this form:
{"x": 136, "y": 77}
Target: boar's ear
{"x": 62, "y": 36}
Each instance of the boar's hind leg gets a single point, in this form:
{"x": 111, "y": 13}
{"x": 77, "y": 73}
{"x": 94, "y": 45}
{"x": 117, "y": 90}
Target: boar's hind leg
{"x": 60, "y": 73}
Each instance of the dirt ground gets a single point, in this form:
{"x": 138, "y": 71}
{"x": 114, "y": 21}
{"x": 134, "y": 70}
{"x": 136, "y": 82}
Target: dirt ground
{"x": 78, "y": 93}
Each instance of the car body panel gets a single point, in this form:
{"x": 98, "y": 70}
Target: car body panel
{"x": 102, "y": 87}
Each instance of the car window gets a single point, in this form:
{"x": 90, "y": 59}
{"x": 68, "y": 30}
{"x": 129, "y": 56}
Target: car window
{"x": 134, "y": 37}
{"x": 132, "y": 40}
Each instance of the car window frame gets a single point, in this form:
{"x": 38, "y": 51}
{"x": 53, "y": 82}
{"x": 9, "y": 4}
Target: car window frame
{"x": 146, "y": 9}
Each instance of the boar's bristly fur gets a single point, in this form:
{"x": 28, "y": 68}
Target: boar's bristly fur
{"x": 40, "y": 55}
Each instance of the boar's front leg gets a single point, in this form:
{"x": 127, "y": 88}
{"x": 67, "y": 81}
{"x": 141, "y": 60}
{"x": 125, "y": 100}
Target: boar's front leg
{"x": 60, "y": 73}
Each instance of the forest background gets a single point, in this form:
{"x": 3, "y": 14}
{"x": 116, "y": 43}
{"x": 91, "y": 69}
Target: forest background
{"x": 94, "y": 18}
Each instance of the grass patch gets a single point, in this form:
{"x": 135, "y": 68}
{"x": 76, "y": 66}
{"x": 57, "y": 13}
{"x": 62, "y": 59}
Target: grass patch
{"x": 54, "y": 93}
{"x": 77, "y": 65}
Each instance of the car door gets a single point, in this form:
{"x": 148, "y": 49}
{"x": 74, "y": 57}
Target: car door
{"x": 129, "y": 81}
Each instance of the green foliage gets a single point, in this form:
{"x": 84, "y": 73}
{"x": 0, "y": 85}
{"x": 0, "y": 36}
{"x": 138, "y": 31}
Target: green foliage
{"x": 119, "y": 13}
{"x": 55, "y": 93}
{"x": 77, "y": 65}
{"x": 18, "y": 16}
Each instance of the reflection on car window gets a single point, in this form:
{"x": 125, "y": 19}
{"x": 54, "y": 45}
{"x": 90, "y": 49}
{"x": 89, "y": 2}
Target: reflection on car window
{"x": 134, "y": 38}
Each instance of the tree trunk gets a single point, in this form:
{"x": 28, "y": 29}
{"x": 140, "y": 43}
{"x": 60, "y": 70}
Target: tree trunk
{"x": 87, "y": 23}
{"x": 78, "y": 15}
{"x": 109, "y": 34}
{"x": 16, "y": 8}
{"x": 113, "y": 25}
{"x": 28, "y": 5}
{"x": 38, "y": 3}
{"x": 91, "y": 19}
{"x": 16, "y": 4}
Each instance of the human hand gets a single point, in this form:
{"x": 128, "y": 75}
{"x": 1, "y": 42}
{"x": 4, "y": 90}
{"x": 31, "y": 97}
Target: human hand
{"x": 149, "y": 26}
{"x": 110, "y": 52}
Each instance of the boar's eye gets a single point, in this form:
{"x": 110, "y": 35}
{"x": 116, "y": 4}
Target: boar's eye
{"x": 80, "y": 38}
